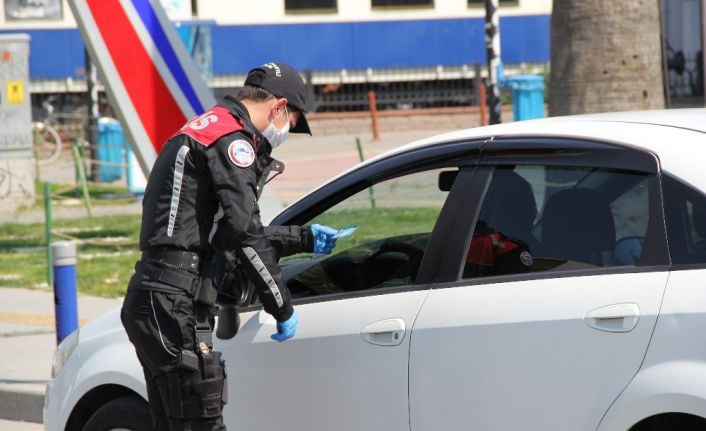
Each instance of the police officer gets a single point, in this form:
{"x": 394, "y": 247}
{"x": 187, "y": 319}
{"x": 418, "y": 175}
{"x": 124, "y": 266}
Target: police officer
{"x": 212, "y": 170}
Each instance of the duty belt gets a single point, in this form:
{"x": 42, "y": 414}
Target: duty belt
{"x": 177, "y": 279}
{"x": 181, "y": 259}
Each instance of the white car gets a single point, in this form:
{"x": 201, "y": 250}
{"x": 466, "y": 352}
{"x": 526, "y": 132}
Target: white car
{"x": 540, "y": 275}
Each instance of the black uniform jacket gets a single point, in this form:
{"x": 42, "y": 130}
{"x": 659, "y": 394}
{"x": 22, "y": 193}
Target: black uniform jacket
{"x": 219, "y": 159}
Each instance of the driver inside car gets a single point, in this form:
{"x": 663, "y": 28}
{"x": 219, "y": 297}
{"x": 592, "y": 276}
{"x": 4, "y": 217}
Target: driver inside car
{"x": 502, "y": 241}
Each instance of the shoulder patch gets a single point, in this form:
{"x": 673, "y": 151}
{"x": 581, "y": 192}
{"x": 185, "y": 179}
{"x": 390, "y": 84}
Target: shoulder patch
{"x": 208, "y": 127}
{"x": 241, "y": 153}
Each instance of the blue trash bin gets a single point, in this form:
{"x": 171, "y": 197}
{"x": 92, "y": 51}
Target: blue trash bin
{"x": 136, "y": 181}
{"x": 111, "y": 144}
{"x": 527, "y": 96}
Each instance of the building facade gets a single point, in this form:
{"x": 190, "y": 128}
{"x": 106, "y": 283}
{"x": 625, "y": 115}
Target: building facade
{"x": 338, "y": 40}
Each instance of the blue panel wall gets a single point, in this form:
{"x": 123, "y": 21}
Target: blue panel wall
{"x": 56, "y": 54}
{"x": 525, "y": 39}
{"x": 379, "y": 44}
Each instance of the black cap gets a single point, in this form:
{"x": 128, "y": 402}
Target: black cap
{"x": 283, "y": 82}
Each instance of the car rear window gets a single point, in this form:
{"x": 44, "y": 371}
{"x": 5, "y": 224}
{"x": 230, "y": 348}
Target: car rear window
{"x": 685, "y": 212}
{"x": 552, "y": 218}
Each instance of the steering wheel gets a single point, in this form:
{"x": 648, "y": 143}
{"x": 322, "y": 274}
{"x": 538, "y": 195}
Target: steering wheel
{"x": 370, "y": 272}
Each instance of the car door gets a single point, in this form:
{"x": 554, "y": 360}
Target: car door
{"x": 550, "y": 312}
{"x": 347, "y": 366}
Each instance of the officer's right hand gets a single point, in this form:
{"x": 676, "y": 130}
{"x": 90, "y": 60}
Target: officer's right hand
{"x": 324, "y": 238}
{"x": 286, "y": 329}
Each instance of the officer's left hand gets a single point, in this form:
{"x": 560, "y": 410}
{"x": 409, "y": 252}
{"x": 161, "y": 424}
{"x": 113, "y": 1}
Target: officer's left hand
{"x": 286, "y": 329}
{"x": 324, "y": 238}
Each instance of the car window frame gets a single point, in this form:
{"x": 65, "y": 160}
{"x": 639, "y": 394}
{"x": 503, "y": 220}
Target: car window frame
{"x": 464, "y": 152}
{"x": 463, "y": 155}
{"x": 552, "y": 151}
{"x": 669, "y": 220}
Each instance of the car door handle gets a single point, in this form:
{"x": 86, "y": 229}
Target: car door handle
{"x": 388, "y": 332}
{"x": 614, "y": 318}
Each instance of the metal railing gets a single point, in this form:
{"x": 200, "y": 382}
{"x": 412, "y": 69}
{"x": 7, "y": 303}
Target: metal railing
{"x": 396, "y": 95}
{"x": 349, "y": 97}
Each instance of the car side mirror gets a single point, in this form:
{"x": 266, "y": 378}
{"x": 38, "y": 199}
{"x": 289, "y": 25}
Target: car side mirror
{"x": 446, "y": 180}
{"x": 228, "y": 321}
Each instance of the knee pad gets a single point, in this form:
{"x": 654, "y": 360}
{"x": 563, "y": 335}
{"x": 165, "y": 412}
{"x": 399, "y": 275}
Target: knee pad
{"x": 196, "y": 394}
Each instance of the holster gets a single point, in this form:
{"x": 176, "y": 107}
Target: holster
{"x": 195, "y": 394}
{"x": 198, "y": 388}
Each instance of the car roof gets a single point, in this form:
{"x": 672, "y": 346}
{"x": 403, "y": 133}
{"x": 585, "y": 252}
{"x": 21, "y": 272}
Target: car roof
{"x": 677, "y": 137}
{"x": 692, "y": 119}
{"x": 585, "y": 126}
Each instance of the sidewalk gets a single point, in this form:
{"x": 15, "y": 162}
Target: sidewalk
{"x": 27, "y": 343}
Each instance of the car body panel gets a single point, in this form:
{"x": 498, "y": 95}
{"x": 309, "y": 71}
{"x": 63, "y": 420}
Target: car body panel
{"x": 340, "y": 381}
{"x": 481, "y": 351}
{"x": 673, "y": 376}
{"x": 104, "y": 356}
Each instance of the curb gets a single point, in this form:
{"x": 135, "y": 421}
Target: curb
{"x": 21, "y": 406}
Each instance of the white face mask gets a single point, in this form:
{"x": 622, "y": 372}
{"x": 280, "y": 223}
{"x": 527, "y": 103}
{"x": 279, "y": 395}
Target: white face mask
{"x": 277, "y": 136}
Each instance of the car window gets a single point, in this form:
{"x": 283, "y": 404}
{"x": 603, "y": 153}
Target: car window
{"x": 685, "y": 212}
{"x": 394, "y": 220}
{"x": 549, "y": 218}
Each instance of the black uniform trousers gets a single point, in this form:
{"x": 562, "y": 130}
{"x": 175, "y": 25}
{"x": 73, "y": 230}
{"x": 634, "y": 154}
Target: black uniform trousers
{"x": 186, "y": 383}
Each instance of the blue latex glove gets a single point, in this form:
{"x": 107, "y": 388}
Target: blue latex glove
{"x": 286, "y": 329}
{"x": 324, "y": 238}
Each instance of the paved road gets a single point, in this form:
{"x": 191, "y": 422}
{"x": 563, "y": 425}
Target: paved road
{"x": 19, "y": 426}
{"x": 309, "y": 161}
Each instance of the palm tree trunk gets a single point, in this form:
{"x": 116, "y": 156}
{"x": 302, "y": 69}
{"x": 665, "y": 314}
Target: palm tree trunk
{"x": 606, "y": 56}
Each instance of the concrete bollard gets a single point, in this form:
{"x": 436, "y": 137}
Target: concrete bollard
{"x": 65, "y": 288}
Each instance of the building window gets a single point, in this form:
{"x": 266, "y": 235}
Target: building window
{"x": 401, "y": 3}
{"x": 23, "y": 10}
{"x": 310, "y": 6}
{"x": 481, "y": 3}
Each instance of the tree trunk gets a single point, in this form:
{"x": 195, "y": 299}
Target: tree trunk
{"x": 606, "y": 56}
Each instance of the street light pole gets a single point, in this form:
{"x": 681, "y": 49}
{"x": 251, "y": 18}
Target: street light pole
{"x": 93, "y": 109}
{"x": 492, "y": 44}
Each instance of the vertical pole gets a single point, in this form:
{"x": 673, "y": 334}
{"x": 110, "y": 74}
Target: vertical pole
{"x": 372, "y": 101}
{"x": 477, "y": 82}
{"x": 483, "y": 106}
{"x": 310, "y": 93}
{"x": 82, "y": 179}
{"x": 492, "y": 44}
{"x": 65, "y": 286}
{"x": 37, "y": 142}
{"x": 703, "y": 47}
{"x": 47, "y": 231}
{"x": 92, "y": 103}
{"x": 361, "y": 156}
{"x": 663, "y": 43}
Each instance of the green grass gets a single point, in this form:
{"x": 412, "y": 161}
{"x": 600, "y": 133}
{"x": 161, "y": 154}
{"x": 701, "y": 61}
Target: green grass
{"x": 106, "y": 259}
{"x": 104, "y": 268}
{"x": 374, "y": 224}
{"x": 100, "y": 194}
